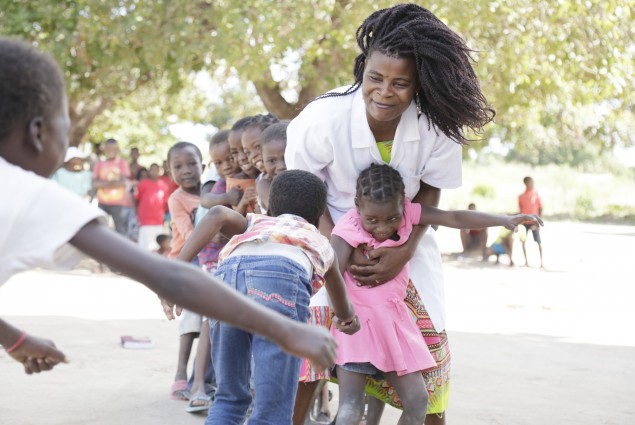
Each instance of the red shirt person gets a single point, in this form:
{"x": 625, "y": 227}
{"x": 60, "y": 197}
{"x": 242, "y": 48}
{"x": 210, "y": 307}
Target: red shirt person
{"x": 151, "y": 196}
{"x": 529, "y": 203}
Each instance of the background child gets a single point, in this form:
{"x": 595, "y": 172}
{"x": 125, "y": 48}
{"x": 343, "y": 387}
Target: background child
{"x": 246, "y": 188}
{"x": 529, "y": 203}
{"x": 72, "y": 174}
{"x": 163, "y": 241}
{"x": 252, "y": 146}
{"x": 49, "y": 226}
{"x": 473, "y": 240}
{"x": 273, "y": 143}
{"x": 273, "y": 259}
{"x": 186, "y": 165}
{"x": 110, "y": 178}
{"x": 224, "y": 165}
{"x": 151, "y": 196}
{"x": 389, "y": 341}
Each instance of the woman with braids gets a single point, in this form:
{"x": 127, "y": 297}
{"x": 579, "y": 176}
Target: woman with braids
{"x": 414, "y": 93}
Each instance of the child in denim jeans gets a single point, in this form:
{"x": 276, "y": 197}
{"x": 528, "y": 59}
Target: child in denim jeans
{"x": 274, "y": 260}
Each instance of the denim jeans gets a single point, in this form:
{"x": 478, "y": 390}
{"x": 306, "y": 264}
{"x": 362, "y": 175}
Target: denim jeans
{"x": 281, "y": 285}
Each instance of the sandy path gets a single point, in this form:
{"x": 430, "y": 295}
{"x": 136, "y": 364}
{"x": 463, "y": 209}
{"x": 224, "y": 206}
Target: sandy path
{"x": 551, "y": 346}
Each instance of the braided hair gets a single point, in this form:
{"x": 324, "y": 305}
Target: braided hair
{"x": 380, "y": 183}
{"x": 448, "y": 93}
{"x": 261, "y": 121}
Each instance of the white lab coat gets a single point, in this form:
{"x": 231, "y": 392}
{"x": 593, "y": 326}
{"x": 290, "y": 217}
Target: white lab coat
{"x": 332, "y": 139}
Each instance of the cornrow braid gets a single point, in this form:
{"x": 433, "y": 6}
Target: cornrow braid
{"x": 261, "y": 121}
{"x": 448, "y": 93}
{"x": 380, "y": 183}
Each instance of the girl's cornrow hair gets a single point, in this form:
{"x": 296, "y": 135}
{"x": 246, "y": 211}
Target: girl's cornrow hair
{"x": 379, "y": 183}
{"x": 261, "y": 121}
{"x": 448, "y": 93}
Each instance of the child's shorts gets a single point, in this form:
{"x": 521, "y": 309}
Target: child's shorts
{"x": 190, "y": 323}
{"x": 498, "y": 248}
{"x": 365, "y": 368}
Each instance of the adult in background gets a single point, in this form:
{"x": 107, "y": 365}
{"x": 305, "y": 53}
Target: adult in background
{"x": 135, "y": 167}
{"x": 109, "y": 179}
{"x": 414, "y": 93}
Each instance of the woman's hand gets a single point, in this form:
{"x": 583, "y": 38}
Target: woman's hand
{"x": 376, "y": 266}
{"x": 517, "y": 219}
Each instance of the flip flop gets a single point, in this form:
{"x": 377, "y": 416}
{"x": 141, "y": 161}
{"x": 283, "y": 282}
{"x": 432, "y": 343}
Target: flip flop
{"x": 179, "y": 390}
{"x": 191, "y": 408}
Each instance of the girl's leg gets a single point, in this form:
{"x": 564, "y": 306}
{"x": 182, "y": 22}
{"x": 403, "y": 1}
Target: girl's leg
{"x": 199, "y": 397}
{"x": 375, "y": 410}
{"x": 303, "y": 399}
{"x": 435, "y": 419}
{"x": 352, "y": 397}
{"x": 412, "y": 392}
{"x": 325, "y": 410}
{"x": 185, "y": 347}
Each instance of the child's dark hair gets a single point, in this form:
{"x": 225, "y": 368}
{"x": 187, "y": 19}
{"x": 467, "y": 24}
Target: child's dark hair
{"x": 162, "y": 238}
{"x": 140, "y": 172}
{"x": 527, "y": 179}
{"x": 379, "y": 183}
{"x": 218, "y": 138}
{"x": 31, "y": 85}
{"x": 182, "y": 145}
{"x": 448, "y": 91}
{"x": 277, "y": 131}
{"x": 298, "y": 192}
{"x": 241, "y": 124}
{"x": 261, "y": 121}
{"x": 111, "y": 142}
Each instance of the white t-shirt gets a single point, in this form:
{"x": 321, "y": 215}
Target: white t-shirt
{"x": 38, "y": 219}
{"x": 332, "y": 139}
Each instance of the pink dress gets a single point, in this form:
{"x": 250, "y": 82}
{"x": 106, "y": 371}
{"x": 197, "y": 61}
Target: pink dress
{"x": 389, "y": 337}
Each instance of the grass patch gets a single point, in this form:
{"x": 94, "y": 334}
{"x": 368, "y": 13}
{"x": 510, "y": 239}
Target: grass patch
{"x": 566, "y": 192}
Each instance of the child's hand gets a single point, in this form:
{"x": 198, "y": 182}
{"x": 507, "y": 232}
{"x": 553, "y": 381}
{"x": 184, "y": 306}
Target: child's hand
{"x": 38, "y": 355}
{"x": 517, "y": 219}
{"x": 349, "y": 327}
{"x": 170, "y": 310}
{"x": 312, "y": 342}
{"x": 234, "y": 196}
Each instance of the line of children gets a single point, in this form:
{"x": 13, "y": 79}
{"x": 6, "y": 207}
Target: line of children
{"x": 389, "y": 342}
{"x": 48, "y": 226}
{"x": 276, "y": 260}
{"x": 224, "y": 165}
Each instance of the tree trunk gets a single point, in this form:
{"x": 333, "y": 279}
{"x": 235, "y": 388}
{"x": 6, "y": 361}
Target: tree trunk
{"x": 82, "y": 115}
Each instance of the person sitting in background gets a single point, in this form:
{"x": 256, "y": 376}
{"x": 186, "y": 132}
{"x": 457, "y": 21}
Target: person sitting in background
{"x": 72, "y": 174}
{"x": 473, "y": 239}
{"x": 504, "y": 244}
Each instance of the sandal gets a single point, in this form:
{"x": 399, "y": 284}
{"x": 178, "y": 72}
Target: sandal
{"x": 203, "y": 402}
{"x": 179, "y": 390}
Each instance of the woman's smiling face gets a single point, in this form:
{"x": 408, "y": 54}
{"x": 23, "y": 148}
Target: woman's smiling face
{"x": 388, "y": 87}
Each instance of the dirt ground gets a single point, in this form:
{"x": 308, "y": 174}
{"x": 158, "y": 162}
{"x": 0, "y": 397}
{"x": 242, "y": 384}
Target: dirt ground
{"x": 529, "y": 345}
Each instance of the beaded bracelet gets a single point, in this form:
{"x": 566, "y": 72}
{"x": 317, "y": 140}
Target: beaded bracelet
{"x": 17, "y": 343}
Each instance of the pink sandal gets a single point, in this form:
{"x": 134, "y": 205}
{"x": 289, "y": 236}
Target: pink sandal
{"x": 179, "y": 390}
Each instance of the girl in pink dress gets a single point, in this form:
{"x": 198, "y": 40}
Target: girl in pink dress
{"x": 389, "y": 341}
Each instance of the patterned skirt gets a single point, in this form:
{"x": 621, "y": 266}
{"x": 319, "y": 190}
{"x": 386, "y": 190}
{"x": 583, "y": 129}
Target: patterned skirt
{"x": 437, "y": 378}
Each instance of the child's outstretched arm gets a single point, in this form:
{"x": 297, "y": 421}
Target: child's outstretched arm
{"x": 192, "y": 288}
{"x": 219, "y": 219}
{"x": 346, "y": 320}
{"x": 466, "y": 219}
{"x": 36, "y": 354}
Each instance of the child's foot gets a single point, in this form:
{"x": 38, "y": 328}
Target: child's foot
{"x": 199, "y": 403}
{"x": 179, "y": 390}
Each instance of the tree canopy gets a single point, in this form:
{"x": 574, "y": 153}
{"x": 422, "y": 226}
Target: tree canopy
{"x": 559, "y": 74}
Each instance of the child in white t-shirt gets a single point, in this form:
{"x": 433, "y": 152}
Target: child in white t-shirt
{"x": 44, "y": 225}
